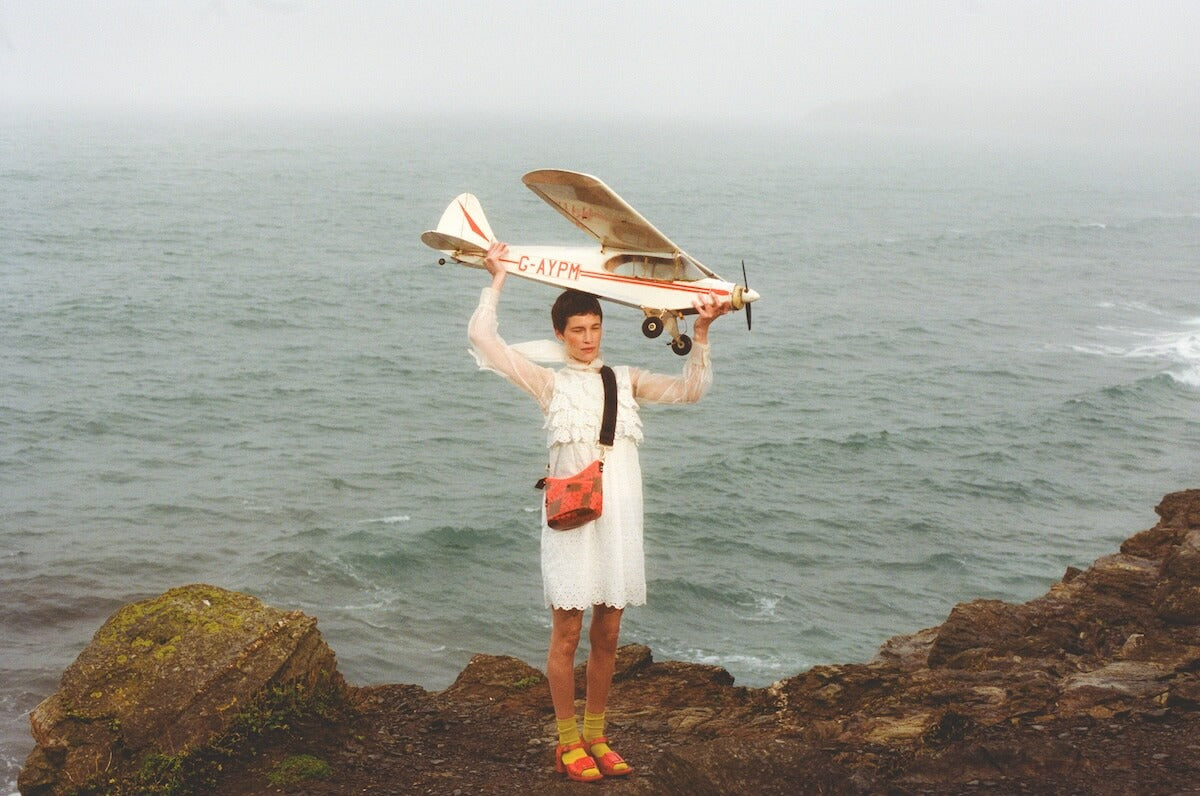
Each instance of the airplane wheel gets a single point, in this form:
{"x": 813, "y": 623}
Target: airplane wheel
{"x": 652, "y": 327}
{"x": 682, "y": 346}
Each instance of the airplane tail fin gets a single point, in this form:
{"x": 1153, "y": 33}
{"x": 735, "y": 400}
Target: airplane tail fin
{"x": 464, "y": 219}
{"x": 463, "y": 230}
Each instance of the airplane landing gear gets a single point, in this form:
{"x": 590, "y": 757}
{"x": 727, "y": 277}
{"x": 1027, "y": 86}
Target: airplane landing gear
{"x": 658, "y": 321}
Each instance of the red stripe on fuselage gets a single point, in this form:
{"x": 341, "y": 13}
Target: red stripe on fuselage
{"x": 661, "y": 285}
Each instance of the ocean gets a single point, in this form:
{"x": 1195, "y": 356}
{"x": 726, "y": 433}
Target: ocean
{"x": 225, "y": 357}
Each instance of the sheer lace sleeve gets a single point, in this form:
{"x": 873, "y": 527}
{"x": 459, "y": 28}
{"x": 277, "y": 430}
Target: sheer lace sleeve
{"x": 686, "y": 388}
{"x": 492, "y": 353}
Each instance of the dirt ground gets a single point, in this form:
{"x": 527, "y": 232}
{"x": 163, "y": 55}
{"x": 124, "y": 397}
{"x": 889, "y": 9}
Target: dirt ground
{"x": 406, "y": 741}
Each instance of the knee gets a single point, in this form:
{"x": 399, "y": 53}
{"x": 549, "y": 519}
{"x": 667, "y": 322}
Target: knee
{"x": 603, "y": 636}
{"x": 564, "y": 640}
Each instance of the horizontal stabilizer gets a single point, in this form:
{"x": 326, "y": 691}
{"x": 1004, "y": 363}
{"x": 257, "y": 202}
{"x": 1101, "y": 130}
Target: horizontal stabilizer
{"x": 451, "y": 244}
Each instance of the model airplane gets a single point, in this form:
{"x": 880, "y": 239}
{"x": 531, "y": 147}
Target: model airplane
{"x": 635, "y": 264}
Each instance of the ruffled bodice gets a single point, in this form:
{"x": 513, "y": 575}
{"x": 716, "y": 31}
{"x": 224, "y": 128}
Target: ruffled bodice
{"x": 577, "y": 406}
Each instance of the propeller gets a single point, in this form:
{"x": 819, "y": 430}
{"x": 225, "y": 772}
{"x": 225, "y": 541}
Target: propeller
{"x": 746, "y": 283}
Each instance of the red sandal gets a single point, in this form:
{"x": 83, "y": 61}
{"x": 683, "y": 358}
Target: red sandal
{"x": 608, "y": 762}
{"x": 577, "y": 770}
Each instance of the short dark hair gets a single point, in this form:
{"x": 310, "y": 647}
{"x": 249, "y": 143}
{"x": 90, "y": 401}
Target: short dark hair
{"x": 573, "y": 302}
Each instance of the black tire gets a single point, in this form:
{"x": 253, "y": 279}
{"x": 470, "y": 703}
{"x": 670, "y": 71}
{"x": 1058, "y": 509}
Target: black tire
{"x": 682, "y": 346}
{"x": 652, "y": 327}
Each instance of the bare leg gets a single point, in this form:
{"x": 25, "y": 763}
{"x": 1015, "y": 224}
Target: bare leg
{"x": 606, "y": 628}
{"x": 602, "y": 660}
{"x": 560, "y": 660}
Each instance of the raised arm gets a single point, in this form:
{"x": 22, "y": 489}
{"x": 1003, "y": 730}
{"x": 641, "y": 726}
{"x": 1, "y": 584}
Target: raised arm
{"x": 490, "y": 350}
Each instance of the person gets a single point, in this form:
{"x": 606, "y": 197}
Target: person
{"x": 599, "y": 565}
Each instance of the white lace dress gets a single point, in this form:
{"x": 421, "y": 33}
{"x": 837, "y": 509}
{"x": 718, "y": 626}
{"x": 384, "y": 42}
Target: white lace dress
{"x": 602, "y": 561}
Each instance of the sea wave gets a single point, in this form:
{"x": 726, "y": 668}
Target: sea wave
{"x": 1177, "y": 348}
{"x": 391, "y": 520}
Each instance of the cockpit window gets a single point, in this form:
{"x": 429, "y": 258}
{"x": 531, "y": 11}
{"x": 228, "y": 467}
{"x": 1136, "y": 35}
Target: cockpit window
{"x": 650, "y": 266}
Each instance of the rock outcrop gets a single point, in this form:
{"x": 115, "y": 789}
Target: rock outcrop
{"x": 165, "y": 677}
{"x": 1092, "y": 688}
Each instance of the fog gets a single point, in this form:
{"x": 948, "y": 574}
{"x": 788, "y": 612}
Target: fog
{"x": 1078, "y": 68}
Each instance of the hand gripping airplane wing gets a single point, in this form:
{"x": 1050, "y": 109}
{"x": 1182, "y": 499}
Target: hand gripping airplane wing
{"x": 597, "y": 210}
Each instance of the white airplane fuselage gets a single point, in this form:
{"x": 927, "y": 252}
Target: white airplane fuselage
{"x": 593, "y": 271}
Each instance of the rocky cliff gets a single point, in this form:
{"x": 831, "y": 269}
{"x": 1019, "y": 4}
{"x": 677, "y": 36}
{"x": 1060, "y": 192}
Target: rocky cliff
{"x": 1092, "y": 688}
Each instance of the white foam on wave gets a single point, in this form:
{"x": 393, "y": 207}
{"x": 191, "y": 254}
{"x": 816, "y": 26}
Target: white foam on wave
{"x": 1191, "y": 377}
{"x": 1182, "y": 349}
{"x": 1139, "y": 307}
{"x": 387, "y": 520}
{"x": 1178, "y": 348}
{"x": 764, "y": 609}
{"x": 761, "y": 665}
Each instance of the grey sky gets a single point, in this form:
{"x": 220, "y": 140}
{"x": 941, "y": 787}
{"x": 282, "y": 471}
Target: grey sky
{"x": 963, "y": 63}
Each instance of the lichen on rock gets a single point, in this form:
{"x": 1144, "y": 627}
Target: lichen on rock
{"x": 164, "y": 677}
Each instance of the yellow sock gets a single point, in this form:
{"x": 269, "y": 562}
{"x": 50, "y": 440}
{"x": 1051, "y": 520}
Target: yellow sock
{"x": 593, "y": 727}
{"x": 568, "y": 733}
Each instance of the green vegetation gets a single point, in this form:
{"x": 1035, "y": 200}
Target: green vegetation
{"x": 299, "y": 768}
{"x": 160, "y": 774}
{"x": 195, "y": 771}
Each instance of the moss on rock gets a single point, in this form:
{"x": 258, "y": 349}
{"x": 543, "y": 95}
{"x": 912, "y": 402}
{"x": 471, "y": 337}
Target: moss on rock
{"x": 166, "y": 677}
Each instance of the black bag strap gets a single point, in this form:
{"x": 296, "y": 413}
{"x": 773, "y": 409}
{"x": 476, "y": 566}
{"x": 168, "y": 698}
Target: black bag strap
{"x": 608, "y": 425}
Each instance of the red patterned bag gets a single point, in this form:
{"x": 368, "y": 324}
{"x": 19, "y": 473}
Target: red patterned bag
{"x": 579, "y": 499}
{"x": 574, "y": 501}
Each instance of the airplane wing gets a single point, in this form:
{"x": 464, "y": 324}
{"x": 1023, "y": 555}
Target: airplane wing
{"x": 597, "y": 210}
